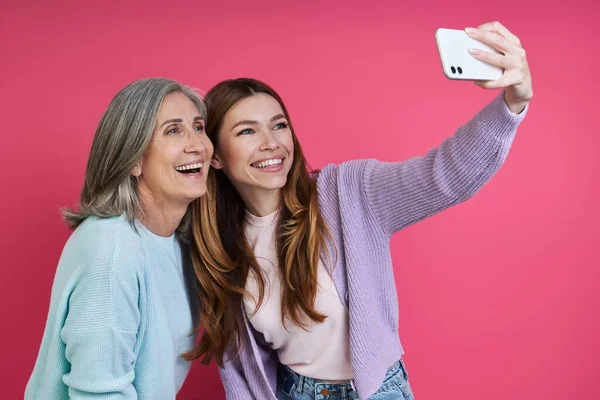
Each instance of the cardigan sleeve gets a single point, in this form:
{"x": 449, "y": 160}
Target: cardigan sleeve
{"x": 402, "y": 193}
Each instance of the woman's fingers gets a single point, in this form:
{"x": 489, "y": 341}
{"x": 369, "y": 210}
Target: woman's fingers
{"x": 492, "y": 39}
{"x": 499, "y": 60}
{"x": 502, "y": 31}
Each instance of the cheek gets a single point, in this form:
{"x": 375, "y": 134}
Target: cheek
{"x": 289, "y": 144}
{"x": 209, "y": 148}
{"x": 235, "y": 157}
{"x": 161, "y": 161}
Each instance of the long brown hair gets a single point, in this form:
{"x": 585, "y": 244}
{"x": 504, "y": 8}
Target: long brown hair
{"x": 223, "y": 258}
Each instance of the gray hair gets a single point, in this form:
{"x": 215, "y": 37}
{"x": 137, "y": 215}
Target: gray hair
{"x": 121, "y": 139}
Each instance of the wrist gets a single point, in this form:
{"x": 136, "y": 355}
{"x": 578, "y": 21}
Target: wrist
{"x": 516, "y": 107}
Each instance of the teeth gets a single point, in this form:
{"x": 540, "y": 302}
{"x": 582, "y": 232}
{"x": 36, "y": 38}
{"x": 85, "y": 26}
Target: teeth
{"x": 187, "y": 167}
{"x": 268, "y": 163}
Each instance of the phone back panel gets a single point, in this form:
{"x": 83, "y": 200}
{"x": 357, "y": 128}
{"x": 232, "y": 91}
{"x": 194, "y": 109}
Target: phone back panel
{"x": 457, "y": 63}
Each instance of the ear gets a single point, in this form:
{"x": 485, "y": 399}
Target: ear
{"x": 137, "y": 170}
{"x": 215, "y": 162}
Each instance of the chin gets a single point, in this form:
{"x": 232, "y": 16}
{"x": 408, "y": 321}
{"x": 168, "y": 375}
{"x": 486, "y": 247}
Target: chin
{"x": 191, "y": 196}
{"x": 275, "y": 184}
{"x": 278, "y": 187}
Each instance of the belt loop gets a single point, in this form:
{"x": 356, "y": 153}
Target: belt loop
{"x": 300, "y": 384}
{"x": 352, "y": 384}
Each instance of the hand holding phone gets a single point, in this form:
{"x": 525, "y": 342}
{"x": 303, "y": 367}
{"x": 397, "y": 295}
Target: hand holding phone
{"x": 457, "y": 63}
{"x": 516, "y": 80}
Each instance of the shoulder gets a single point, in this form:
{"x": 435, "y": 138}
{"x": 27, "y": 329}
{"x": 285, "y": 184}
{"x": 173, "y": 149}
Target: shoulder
{"x": 341, "y": 187}
{"x": 106, "y": 229}
{"x": 101, "y": 273}
{"x": 102, "y": 246}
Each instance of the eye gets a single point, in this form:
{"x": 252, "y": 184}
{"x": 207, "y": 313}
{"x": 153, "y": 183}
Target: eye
{"x": 172, "y": 130}
{"x": 245, "y": 132}
{"x": 199, "y": 128}
{"x": 281, "y": 125}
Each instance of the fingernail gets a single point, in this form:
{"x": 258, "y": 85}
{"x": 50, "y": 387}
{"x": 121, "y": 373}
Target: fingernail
{"x": 471, "y": 30}
{"x": 474, "y": 52}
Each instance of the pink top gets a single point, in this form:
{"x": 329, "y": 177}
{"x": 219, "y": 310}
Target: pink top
{"x": 323, "y": 350}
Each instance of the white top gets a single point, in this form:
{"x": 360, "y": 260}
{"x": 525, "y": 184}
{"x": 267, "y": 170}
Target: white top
{"x": 323, "y": 350}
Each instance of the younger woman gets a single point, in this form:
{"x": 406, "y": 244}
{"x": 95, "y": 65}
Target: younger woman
{"x": 294, "y": 269}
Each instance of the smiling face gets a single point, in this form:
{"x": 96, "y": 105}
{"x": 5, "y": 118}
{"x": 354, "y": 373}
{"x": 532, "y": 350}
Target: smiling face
{"x": 255, "y": 146}
{"x": 175, "y": 165}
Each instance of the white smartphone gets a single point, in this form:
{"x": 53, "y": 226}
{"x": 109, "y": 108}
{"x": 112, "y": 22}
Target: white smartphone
{"x": 457, "y": 63}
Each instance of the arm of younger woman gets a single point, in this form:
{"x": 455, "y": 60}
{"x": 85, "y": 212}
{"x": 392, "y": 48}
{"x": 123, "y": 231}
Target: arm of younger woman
{"x": 400, "y": 194}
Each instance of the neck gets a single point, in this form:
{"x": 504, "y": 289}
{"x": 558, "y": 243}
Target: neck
{"x": 159, "y": 218}
{"x": 261, "y": 202}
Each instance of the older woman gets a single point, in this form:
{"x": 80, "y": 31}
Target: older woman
{"x": 119, "y": 313}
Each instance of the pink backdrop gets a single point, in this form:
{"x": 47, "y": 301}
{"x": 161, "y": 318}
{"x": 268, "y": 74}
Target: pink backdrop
{"x": 498, "y": 296}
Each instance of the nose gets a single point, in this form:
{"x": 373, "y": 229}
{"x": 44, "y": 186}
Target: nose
{"x": 194, "y": 143}
{"x": 269, "y": 141}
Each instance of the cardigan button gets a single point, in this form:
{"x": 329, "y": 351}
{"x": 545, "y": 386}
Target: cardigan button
{"x": 325, "y": 392}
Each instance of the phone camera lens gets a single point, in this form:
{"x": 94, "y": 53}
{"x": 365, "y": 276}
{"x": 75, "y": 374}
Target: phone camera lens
{"x": 453, "y": 70}
{"x": 459, "y": 70}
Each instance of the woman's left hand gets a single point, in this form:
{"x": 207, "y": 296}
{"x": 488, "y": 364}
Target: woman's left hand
{"x": 516, "y": 79}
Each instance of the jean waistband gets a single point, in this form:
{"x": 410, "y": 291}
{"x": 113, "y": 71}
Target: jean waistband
{"x": 292, "y": 380}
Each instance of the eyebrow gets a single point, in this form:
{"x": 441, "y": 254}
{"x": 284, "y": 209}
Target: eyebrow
{"x": 178, "y": 121}
{"x": 251, "y": 122}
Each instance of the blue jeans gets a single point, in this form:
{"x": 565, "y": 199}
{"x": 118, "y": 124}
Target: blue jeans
{"x": 293, "y": 386}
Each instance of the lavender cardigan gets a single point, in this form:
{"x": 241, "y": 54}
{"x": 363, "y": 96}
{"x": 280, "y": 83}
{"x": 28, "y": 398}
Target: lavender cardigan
{"x": 364, "y": 202}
